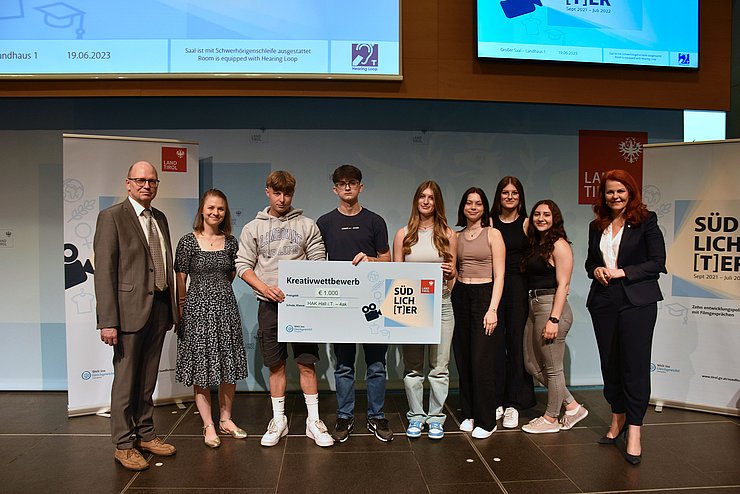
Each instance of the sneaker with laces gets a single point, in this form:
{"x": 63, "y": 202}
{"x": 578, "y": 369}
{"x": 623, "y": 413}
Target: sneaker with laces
{"x": 499, "y": 413}
{"x": 317, "y": 431}
{"x": 467, "y": 425}
{"x": 342, "y": 429}
{"x": 481, "y": 433}
{"x": 511, "y": 418}
{"x": 276, "y": 429}
{"x": 380, "y": 428}
{"x": 568, "y": 421}
{"x": 414, "y": 429}
{"x": 541, "y": 425}
{"x": 436, "y": 430}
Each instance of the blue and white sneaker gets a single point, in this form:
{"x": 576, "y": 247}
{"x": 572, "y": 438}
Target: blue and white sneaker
{"x": 436, "y": 430}
{"x": 414, "y": 429}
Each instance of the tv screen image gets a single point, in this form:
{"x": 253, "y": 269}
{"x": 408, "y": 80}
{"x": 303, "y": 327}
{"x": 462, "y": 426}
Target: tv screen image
{"x": 199, "y": 38}
{"x": 658, "y": 33}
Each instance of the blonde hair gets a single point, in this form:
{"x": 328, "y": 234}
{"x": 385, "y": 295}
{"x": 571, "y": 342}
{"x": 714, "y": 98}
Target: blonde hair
{"x": 440, "y": 239}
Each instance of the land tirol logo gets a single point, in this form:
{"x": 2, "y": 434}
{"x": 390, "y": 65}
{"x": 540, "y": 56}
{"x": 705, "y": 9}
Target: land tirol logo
{"x": 427, "y": 286}
{"x": 174, "y": 159}
{"x": 365, "y": 57}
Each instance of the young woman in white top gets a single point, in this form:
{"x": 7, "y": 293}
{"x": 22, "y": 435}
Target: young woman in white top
{"x": 428, "y": 238}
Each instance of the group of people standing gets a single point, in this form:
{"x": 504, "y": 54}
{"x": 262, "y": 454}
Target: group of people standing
{"x": 505, "y": 313}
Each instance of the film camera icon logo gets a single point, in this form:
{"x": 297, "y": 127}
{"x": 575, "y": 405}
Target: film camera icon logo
{"x": 371, "y": 312}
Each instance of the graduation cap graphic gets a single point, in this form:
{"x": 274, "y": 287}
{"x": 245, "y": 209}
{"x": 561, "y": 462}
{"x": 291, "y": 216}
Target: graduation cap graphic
{"x": 61, "y": 15}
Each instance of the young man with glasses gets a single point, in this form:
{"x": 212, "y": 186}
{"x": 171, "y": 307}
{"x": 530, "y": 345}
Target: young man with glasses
{"x": 281, "y": 232}
{"x": 135, "y": 292}
{"x": 353, "y": 233}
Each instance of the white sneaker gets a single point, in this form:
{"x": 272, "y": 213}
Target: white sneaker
{"x": 275, "y": 430}
{"x": 467, "y": 425}
{"x": 568, "y": 421}
{"x": 541, "y": 425}
{"x": 317, "y": 431}
{"x": 511, "y": 418}
{"x": 481, "y": 433}
{"x": 499, "y": 413}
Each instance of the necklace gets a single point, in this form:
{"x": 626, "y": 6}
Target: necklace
{"x": 211, "y": 241}
{"x": 426, "y": 227}
{"x": 473, "y": 233}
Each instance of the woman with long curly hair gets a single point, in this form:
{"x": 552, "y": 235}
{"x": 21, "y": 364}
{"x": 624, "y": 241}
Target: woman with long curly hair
{"x": 428, "y": 238}
{"x": 626, "y": 254}
{"x": 549, "y": 264}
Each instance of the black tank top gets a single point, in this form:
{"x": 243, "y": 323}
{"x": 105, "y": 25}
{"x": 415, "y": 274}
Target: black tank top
{"x": 540, "y": 274}
{"x": 515, "y": 240}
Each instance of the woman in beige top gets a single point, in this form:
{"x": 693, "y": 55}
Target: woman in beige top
{"x": 478, "y": 340}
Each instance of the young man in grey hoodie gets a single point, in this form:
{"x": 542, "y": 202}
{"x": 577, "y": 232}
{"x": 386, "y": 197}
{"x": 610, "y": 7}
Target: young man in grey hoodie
{"x": 281, "y": 232}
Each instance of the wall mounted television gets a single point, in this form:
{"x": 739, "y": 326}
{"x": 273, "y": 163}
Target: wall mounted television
{"x": 112, "y": 39}
{"x": 658, "y": 33}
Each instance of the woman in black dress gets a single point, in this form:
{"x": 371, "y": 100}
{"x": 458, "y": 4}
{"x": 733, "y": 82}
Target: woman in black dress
{"x": 210, "y": 347}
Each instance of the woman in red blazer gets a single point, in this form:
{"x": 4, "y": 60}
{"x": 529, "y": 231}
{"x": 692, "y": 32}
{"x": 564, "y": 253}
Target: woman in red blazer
{"x": 626, "y": 254}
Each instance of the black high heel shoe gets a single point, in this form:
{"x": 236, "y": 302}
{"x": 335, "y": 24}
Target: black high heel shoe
{"x": 613, "y": 440}
{"x": 631, "y": 459}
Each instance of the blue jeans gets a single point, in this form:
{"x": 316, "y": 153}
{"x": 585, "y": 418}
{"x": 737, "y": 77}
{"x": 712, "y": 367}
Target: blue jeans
{"x": 344, "y": 375}
{"x": 439, "y": 372}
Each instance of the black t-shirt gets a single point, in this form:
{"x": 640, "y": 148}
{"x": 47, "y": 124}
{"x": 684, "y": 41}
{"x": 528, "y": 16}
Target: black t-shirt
{"x": 345, "y": 236}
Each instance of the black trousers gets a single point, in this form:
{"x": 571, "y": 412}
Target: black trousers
{"x": 516, "y": 389}
{"x": 475, "y": 353}
{"x": 624, "y": 335}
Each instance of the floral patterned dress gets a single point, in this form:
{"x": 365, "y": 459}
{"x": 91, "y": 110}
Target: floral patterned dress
{"x": 210, "y": 347}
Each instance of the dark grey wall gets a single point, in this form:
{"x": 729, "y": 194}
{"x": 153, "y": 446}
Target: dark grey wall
{"x": 70, "y": 114}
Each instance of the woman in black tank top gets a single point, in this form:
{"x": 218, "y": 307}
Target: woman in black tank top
{"x": 549, "y": 265}
{"x": 509, "y": 215}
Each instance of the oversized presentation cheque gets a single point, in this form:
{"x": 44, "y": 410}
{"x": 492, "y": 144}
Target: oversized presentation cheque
{"x": 373, "y": 302}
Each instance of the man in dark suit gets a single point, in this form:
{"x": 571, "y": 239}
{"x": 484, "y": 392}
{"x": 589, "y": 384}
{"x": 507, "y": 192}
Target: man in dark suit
{"x": 135, "y": 293}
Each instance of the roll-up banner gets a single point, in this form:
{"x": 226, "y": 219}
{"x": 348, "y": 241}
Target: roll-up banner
{"x": 693, "y": 187}
{"x": 94, "y": 173}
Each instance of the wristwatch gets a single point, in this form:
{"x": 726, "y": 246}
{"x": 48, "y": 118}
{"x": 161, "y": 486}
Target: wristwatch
{"x": 554, "y": 319}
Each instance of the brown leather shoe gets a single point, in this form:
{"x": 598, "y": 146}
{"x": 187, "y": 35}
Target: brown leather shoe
{"x": 158, "y": 447}
{"x": 131, "y": 459}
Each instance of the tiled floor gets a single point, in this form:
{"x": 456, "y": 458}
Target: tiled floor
{"x": 41, "y": 450}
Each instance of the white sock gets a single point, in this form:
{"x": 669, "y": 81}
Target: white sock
{"x": 278, "y": 408}
{"x": 312, "y": 405}
{"x": 574, "y": 411}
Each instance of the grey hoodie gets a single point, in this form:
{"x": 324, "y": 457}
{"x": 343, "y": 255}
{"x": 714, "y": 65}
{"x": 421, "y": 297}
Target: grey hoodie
{"x": 266, "y": 240}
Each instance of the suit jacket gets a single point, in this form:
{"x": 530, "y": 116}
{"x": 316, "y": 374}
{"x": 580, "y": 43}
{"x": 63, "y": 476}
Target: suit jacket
{"x": 124, "y": 270}
{"x": 641, "y": 256}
